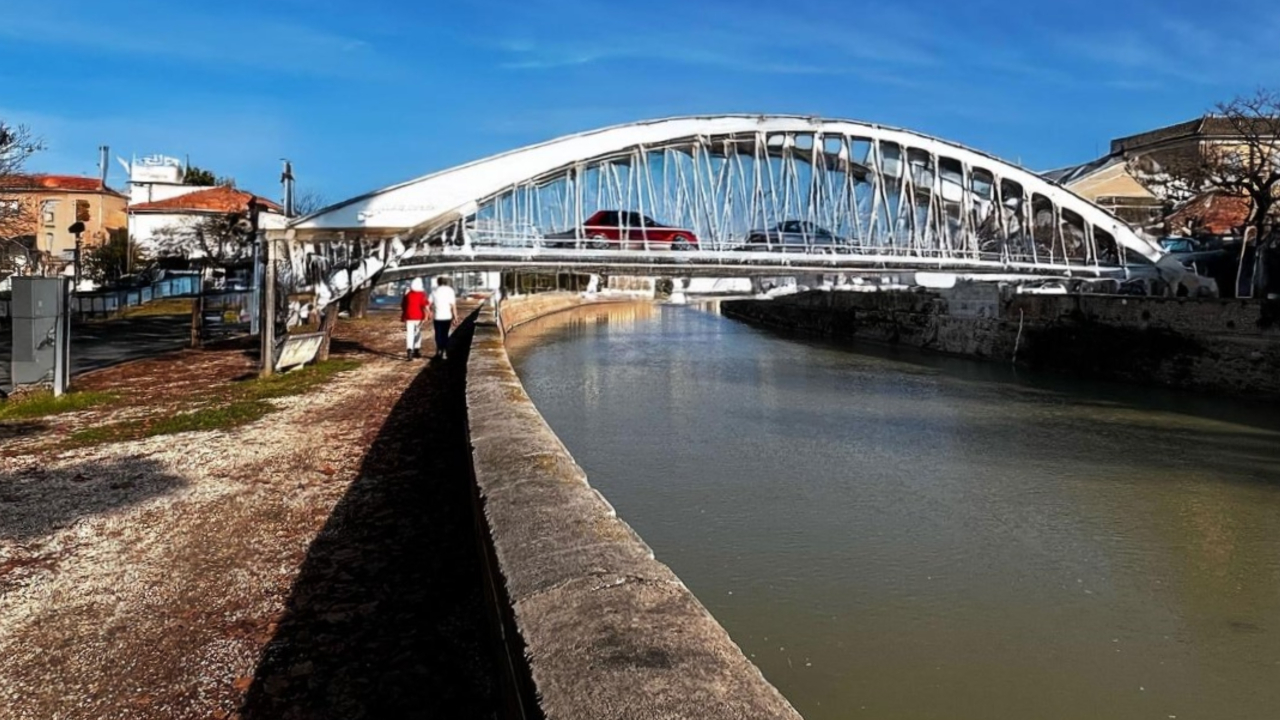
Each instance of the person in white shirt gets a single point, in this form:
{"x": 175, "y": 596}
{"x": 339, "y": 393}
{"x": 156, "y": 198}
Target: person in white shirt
{"x": 444, "y": 312}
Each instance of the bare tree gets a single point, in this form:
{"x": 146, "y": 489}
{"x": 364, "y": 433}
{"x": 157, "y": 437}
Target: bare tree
{"x": 309, "y": 201}
{"x": 219, "y": 239}
{"x": 16, "y": 145}
{"x": 18, "y": 253}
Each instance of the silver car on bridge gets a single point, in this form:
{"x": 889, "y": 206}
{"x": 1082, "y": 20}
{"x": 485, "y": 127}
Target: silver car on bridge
{"x": 797, "y": 236}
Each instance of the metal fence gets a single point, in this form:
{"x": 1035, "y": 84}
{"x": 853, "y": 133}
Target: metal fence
{"x": 226, "y": 313}
{"x": 108, "y": 302}
{"x": 113, "y": 301}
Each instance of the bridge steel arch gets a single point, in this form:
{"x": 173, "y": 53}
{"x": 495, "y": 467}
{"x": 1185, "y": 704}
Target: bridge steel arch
{"x": 892, "y": 198}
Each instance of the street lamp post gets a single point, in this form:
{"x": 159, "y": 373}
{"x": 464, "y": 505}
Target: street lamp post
{"x": 78, "y": 228}
{"x": 266, "y": 292}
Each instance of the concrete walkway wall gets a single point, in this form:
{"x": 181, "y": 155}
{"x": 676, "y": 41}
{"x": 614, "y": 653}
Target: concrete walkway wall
{"x": 607, "y": 630}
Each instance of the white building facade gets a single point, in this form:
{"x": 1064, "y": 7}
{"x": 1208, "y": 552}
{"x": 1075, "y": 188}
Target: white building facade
{"x": 160, "y": 204}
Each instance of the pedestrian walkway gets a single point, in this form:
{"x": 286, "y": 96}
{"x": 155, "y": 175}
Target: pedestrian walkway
{"x": 318, "y": 562}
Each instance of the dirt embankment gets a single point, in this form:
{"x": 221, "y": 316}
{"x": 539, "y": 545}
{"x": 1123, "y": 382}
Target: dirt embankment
{"x": 316, "y": 562}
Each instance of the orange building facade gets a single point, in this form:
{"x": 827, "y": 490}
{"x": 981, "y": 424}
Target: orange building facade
{"x": 38, "y": 210}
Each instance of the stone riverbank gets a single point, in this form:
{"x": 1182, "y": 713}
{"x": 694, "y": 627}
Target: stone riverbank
{"x": 1209, "y": 345}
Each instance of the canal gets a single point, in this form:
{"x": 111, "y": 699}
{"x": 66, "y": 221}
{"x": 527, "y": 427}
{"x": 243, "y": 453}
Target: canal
{"x": 889, "y": 534}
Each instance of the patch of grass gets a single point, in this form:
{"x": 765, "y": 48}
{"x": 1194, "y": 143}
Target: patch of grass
{"x": 296, "y": 382}
{"x": 165, "y": 306}
{"x": 44, "y": 404}
{"x": 217, "y": 417}
{"x": 245, "y": 403}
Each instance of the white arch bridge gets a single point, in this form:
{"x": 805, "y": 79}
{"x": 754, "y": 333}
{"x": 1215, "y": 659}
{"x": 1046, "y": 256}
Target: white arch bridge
{"x": 726, "y": 195}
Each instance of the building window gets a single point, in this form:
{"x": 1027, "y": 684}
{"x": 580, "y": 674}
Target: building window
{"x": 48, "y": 212}
{"x": 48, "y": 240}
{"x": 82, "y": 211}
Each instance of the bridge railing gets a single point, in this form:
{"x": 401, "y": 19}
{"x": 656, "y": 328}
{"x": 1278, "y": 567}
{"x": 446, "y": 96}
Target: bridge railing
{"x": 492, "y": 241}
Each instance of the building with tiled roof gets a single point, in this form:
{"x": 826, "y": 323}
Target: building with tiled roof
{"x": 39, "y": 210}
{"x": 148, "y": 220}
{"x": 1109, "y": 182}
{"x": 1213, "y": 213}
{"x": 161, "y": 204}
{"x": 221, "y": 199}
{"x": 64, "y": 183}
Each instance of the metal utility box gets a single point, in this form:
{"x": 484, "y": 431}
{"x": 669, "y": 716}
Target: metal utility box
{"x": 40, "y": 332}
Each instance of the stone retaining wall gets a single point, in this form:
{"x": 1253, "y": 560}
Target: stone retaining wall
{"x": 1209, "y": 345}
{"x": 607, "y": 630}
{"x": 521, "y": 309}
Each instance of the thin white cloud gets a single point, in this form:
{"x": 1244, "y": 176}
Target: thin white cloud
{"x": 243, "y": 142}
{"x": 832, "y": 40}
{"x": 1174, "y": 50}
{"x": 176, "y": 32}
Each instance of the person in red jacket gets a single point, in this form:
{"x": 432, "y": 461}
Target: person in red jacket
{"x": 413, "y": 312}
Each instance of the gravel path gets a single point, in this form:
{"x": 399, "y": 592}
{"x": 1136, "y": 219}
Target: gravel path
{"x": 319, "y": 562}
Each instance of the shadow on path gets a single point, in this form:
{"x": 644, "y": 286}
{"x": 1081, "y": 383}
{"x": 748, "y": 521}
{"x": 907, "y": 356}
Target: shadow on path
{"x": 39, "y": 501}
{"x": 387, "y": 616}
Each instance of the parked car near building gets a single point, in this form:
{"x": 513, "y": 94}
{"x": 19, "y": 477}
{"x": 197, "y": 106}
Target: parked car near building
{"x": 619, "y": 229}
{"x": 796, "y": 236}
{"x": 1200, "y": 256}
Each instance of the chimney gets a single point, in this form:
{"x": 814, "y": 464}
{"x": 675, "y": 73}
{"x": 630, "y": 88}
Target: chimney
{"x": 286, "y": 178}
{"x": 103, "y": 153}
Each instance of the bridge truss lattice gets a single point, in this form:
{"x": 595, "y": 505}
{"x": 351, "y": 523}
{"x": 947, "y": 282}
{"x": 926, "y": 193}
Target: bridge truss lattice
{"x": 854, "y": 196}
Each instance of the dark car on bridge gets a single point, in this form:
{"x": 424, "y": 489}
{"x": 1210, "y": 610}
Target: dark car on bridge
{"x": 1193, "y": 253}
{"x": 796, "y": 236}
{"x": 624, "y": 230}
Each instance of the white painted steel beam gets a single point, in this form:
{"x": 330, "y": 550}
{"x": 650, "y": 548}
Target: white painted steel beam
{"x": 462, "y": 189}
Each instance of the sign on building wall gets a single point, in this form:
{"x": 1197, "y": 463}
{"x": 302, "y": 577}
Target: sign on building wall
{"x": 154, "y": 168}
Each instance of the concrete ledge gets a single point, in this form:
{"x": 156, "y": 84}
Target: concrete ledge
{"x": 607, "y": 630}
{"x": 1230, "y": 346}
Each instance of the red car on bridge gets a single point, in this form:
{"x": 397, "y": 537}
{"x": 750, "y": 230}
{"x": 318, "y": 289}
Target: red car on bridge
{"x": 624, "y": 230}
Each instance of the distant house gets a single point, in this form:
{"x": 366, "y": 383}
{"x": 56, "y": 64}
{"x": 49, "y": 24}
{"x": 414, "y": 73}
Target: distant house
{"x": 160, "y": 202}
{"x": 149, "y": 220}
{"x": 39, "y": 210}
{"x": 1108, "y": 183}
{"x": 1212, "y": 213}
{"x": 1111, "y": 182}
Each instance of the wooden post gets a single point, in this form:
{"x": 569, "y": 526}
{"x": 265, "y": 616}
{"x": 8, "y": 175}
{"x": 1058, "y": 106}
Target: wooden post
{"x": 326, "y": 326}
{"x": 267, "y": 309}
{"x": 360, "y": 302}
{"x": 197, "y": 310}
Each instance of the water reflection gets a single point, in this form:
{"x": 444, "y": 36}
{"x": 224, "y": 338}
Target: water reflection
{"x": 891, "y": 534}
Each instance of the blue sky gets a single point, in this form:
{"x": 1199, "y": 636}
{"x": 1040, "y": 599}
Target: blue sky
{"x": 361, "y": 95}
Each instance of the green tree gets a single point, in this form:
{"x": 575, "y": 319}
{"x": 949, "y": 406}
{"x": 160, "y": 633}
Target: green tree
{"x": 113, "y": 259}
{"x": 196, "y": 175}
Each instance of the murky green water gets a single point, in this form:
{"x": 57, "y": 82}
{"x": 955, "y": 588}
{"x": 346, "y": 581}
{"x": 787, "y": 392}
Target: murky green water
{"x": 895, "y": 535}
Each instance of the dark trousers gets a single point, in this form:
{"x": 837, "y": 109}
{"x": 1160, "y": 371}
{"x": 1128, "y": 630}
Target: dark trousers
{"x": 442, "y": 335}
